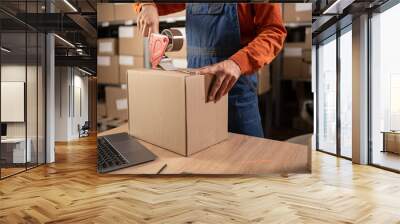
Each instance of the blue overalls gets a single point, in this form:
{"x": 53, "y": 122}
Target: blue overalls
{"x": 213, "y": 35}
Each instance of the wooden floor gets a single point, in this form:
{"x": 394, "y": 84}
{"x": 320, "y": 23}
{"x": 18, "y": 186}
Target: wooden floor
{"x": 387, "y": 159}
{"x": 70, "y": 191}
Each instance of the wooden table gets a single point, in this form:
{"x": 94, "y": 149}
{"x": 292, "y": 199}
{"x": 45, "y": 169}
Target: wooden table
{"x": 239, "y": 154}
{"x": 391, "y": 141}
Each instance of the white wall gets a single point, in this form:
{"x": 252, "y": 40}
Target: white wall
{"x": 68, "y": 81}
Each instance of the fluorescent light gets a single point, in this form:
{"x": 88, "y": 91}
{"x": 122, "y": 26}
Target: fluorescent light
{"x": 337, "y": 7}
{"x": 84, "y": 71}
{"x": 5, "y": 50}
{"x": 64, "y": 40}
{"x": 70, "y": 5}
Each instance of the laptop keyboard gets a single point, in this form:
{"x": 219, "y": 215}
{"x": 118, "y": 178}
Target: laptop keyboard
{"x": 108, "y": 157}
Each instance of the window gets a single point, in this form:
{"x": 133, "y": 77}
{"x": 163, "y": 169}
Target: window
{"x": 326, "y": 131}
{"x": 385, "y": 89}
{"x": 346, "y": 92}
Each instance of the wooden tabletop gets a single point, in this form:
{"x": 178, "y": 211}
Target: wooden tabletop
{"x": 239, "y": 154}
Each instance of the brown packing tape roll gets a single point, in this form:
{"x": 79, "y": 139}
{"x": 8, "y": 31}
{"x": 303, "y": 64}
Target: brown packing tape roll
{"x": 175, "y": 37}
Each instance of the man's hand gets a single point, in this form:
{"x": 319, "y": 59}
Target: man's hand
{"x": 147, "y": 19}
{"x": 226, "y": 74}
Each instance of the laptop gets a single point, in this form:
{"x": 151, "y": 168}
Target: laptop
{"x": 119, "y": 151}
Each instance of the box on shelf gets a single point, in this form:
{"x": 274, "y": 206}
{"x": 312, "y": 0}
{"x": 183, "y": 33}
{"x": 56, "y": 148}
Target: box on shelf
{"x": 178, "y": 116}
{"x": 125, "y": 12}
{"x": 297, "y": 50}
{"x": 107, "y": 46}
{"x": 307, "y": 55}
{"x": 127, "y": 62}
{"x": 130, "y": 41}
{"x": 297, "y": 12}
{"x": 295, "y": 68}
{"x": 116, "y": 102}
{"x": 107, "y": 70}
{"x": 101, "y": 110}
{"x": 308, "y": 41}
{"x": 105, "y": 12}
{"x": 296, "y": 62}
{"x": 264, "y": 80}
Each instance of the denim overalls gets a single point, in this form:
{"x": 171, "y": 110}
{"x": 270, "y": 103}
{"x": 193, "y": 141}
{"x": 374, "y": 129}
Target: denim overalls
{"x": 213, "y": 35}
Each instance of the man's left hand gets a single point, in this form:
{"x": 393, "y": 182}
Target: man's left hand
{"x": 226, "y": 74}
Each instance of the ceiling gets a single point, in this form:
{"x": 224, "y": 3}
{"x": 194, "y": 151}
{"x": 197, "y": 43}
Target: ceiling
{"x": 22, "y": 21}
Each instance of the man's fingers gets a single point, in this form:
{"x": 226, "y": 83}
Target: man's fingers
{"x": 204, "y": 71}
{"x": 215, "y": 87}
{"x": 222, "y": 90}
{"x": 232, "y": 82}
{"x": 210, "y": 70}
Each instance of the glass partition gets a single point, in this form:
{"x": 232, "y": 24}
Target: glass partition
{"x": 385, "y": 89}
{"x": 346, "y": 93}
{"x": 326, "y": 131}
{"x": 15, "y": 150}
{"x": 22, "y": 78}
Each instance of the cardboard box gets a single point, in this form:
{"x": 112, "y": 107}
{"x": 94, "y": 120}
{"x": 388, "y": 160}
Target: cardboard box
{"x": 107, "y": 70}
{"x": 116, "y": 102}
{"x": 101, "y": 110}
{"x": 169, "y": 109}
{"x": 264, "y": 80}
{"x": 131, "y": 42}
{"x": 294, "y": 68}
{"x": 107, "y": 46}
{"x": 299, "y": 50}
{"x": 127, "y": 62}
{"x": 307, "y": 56}
{"x": 297, "y": 12}
{"x": 125, "y": 12}
{"x": 308, "y": 41}
{"x": 105, "y": 12}
{"x": 296, "y": 62}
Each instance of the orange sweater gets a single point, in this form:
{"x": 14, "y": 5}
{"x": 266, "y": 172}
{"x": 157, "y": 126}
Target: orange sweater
{"x": 262, "y": 32}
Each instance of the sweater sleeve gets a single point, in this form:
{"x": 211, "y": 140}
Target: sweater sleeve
{"x": 271, "y": 34}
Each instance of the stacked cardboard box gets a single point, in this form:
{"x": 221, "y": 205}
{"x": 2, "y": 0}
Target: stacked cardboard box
{"x": 295, "y": 65}
{"x": 297, "y": 12}
{"x": 131, "y": 50}
{"x": 297, "y": 59}
{"x": 105, "y": 12}
{"x": 116, "y": 56}
{"x": 107, "y": 61}
{"x": 116, "y": 103}
{"x": 123, "y": 13}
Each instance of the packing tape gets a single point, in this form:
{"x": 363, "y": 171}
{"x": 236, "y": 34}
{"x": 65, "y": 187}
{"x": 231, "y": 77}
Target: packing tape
{"x": 176, "y": 39}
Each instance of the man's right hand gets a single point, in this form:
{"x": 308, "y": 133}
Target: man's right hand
{"x": 147, "y": 20}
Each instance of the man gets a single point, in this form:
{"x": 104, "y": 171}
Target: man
{"x": 230, "y": 41}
